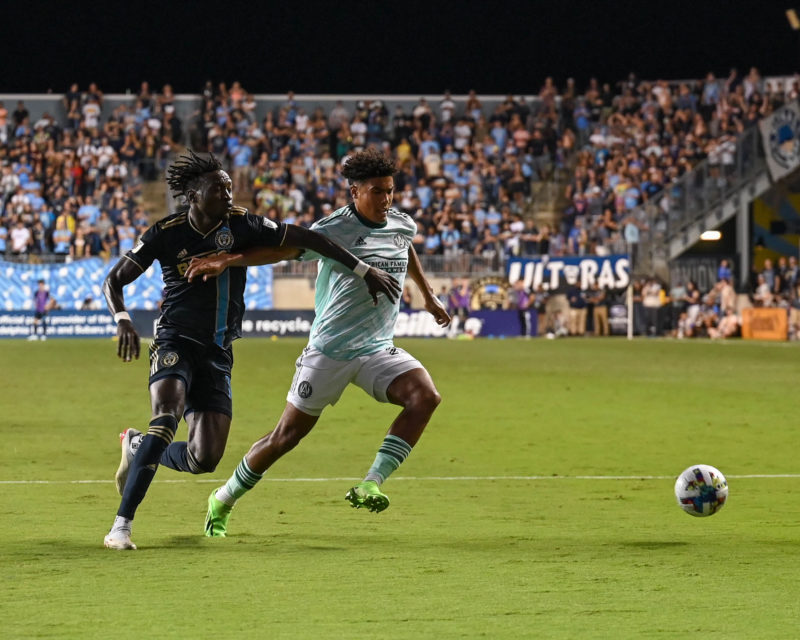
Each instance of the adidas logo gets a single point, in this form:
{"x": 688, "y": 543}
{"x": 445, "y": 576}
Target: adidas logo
{"x": 182, "y": 254}
{"x": 360, "y": 242}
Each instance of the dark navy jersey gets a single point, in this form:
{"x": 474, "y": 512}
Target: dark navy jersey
{"x": 211, "y": 311}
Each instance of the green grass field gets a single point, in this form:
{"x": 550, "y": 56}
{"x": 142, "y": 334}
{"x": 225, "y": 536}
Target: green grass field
{"x": 495, "y": 530}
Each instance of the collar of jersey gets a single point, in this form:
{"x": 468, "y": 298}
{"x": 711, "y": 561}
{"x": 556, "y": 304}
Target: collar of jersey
{"x": 365, "y": 221}
{"x": 210, "y": 231}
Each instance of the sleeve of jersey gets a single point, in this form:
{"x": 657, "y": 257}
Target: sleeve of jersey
{"x": 328, "y": 229}
{"x": 264, "y": 232}
{"x": 145, "y": 251}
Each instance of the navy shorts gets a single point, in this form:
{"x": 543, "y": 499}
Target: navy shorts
{"x": 204, "y": 369}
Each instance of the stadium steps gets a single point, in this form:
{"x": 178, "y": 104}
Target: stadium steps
{"x": 154, "y": 199}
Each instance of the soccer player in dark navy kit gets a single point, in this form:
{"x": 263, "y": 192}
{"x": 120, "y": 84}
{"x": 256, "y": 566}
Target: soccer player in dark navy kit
{"x": 191, "y": 356}
{"x": 42, "y": 303}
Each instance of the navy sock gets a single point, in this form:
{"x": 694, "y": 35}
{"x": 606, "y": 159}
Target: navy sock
{"x": 179, "y": 457}
{"x": 143, "y": 467}
{"x": 175, "y": 456}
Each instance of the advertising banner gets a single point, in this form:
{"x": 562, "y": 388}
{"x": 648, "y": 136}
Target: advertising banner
{"x": 557, "y": 274}
{"x": 60, "y": 324}
{"x": 504, "y": 324}
{"x": 99, "y": 324}
{"x": 765, "y": 324}
{"x": 262, "y": 324}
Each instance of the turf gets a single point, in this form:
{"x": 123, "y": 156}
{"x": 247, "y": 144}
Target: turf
{"x": 494, "y": 531}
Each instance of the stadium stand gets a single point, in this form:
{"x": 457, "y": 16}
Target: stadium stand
{"x": 561, "y": 173}
{"x": 77, "y": 285}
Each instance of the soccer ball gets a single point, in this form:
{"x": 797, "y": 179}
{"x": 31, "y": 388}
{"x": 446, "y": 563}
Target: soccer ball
{"x": 701, "y": 490}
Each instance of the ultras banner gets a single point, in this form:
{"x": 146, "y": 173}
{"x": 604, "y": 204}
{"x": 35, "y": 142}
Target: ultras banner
{"x": 557, "y": 274}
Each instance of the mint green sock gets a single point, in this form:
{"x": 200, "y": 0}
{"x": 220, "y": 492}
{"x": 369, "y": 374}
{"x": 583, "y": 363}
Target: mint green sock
{"x": 391, "y": 454}
{"x": 242, "y": 480}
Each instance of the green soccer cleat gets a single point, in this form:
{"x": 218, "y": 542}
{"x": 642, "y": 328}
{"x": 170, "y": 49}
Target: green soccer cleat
{"x": 367, "y": 494}
{"x": 217, "y": 517}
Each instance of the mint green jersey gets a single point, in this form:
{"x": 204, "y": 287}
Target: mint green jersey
{"x": 347, "y": 323}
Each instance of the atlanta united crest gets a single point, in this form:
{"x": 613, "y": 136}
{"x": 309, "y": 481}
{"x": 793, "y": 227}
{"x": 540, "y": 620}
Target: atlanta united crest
{"x": 784, "y": 137}
{"x": 304, "y": 389}
{"x": 224, "y": 239}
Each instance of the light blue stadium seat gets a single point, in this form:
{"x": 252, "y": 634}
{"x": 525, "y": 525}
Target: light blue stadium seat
{"x": 70, "y": 284}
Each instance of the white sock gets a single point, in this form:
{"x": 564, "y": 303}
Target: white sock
{"x": 122, "y": 524}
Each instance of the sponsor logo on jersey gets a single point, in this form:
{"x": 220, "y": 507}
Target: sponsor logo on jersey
{"x": 138, "y": 246}
{"x": 389, "y": 266}
{"x": 304, "y": 389}
{"x": 268, "y": 223}
{"x": 224, "y": 239}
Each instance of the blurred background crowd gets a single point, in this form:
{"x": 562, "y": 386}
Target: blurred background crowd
{"x": 470, "y": 175}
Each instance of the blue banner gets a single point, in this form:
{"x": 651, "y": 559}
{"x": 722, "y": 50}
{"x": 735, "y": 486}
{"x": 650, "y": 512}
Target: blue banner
{"x": 557, "y": 274}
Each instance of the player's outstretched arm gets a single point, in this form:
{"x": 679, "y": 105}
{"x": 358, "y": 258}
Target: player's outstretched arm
{"x": 212, "y": 266}
{"x": 433, "y": 305}
{"x": 377, "y": 280}
{"x": 123, "y": 272}
{"x": 297, "y": 239}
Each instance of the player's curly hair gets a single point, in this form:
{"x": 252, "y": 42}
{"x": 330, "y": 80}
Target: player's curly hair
{"x": 184, "y": 173}
{"x": 366, "y": 164}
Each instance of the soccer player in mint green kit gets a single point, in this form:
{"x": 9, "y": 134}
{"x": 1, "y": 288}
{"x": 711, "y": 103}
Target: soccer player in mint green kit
{"x": 350, "y": 340}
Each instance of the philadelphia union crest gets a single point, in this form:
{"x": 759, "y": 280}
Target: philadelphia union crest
{"x": 784, "y": 137}
{"x": 400, "y": 241}
{"x": 223, "y": 239}
{"x": 169, "y": 359}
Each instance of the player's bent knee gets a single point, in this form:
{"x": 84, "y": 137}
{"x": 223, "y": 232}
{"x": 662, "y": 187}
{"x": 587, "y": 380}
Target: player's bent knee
{"x": 424, "y": 399}
{"x": 202, "y": 462}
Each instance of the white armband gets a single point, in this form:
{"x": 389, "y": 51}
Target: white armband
{"x": 121, "y": 315}
{"x": 361, "y": 269}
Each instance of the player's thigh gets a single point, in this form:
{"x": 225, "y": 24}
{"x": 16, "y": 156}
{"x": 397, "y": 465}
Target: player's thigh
{"x": 208, "y": 433}
{"x": 382, "y": 368}
{"x": 319, "y": 381}
{"x": 168, "y": 395}
{"x": 171, "y": 371}
{"x": 210, "y": 391}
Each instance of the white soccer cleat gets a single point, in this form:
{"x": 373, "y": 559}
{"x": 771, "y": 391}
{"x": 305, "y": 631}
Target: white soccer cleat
{"x": 119, "y": 540}
{"x": 130, "y": 439}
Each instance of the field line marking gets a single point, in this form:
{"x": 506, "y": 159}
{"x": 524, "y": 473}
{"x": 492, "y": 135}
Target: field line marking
{"x": 413, "y": 479}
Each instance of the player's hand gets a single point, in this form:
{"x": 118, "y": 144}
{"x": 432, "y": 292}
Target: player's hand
{"x": 378, "y": 281}
{"x": 435, "y": 307}
{"x": 208, "y": 267}
{"x": 127, "y": 341}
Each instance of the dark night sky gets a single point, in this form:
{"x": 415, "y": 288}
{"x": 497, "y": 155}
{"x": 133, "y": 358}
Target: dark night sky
{"x": 354, "y": 46}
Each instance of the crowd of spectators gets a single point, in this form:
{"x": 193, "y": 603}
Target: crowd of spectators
{"x": 73, "y": 188}
{"x": 466, "y": 171}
